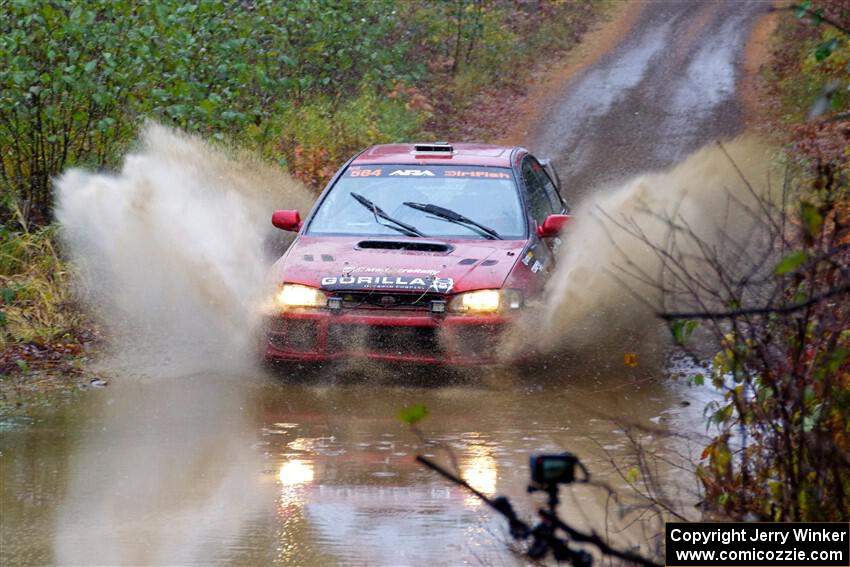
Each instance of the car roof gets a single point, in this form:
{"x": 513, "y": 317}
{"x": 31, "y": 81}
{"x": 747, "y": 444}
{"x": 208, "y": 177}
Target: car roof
{"x": 461, "y": 154}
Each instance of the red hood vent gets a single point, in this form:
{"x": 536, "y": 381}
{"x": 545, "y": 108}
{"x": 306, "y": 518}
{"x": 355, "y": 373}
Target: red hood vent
{"x": 407, "y": 245}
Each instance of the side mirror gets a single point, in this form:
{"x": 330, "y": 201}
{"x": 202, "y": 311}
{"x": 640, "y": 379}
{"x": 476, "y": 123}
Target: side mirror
{"x": 553, "y": 225}
{"x": 287, "y": 220}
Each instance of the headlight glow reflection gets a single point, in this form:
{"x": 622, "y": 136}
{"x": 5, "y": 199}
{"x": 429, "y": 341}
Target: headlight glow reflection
{"x": 295, "y": 472}
{"x": 480, "y": 471}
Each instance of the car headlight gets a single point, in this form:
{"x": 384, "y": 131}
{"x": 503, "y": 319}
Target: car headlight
{"x": 294, "y": 295}
{"x": 486, "y": 301}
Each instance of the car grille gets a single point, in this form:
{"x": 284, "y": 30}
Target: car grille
{"x": 385, "y": 340}
{"x": 477, "y": 341}
{"x": 388, "y": 300}
{"x": 293, "y": 334}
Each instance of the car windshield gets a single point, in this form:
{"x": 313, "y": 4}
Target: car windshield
{"x": 369, "y": 200}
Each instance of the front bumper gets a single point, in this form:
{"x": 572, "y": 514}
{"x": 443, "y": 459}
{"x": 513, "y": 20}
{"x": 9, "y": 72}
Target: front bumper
{"x": 391, "y": 336}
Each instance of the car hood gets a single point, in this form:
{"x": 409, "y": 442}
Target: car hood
{"x": 402, "y": 264}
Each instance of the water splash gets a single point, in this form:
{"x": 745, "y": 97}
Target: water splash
{"x": 171, "y": 248}
{"x": 172, "y": 255}
{"x": 594, "y": 302}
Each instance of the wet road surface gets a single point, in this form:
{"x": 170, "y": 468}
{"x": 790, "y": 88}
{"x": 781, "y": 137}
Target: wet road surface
{"x": 241, "y": 468}
{"x": 204, "y": 470}
{"x": 668, "y": 88}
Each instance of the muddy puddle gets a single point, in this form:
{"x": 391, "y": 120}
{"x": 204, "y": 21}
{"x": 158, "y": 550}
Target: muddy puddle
{"x": 251, "y": 470}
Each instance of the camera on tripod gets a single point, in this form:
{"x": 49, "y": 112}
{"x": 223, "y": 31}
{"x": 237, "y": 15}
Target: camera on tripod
{"x": 548, "y": 471}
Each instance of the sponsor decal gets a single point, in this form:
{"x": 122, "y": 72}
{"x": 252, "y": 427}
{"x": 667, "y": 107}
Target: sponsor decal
{"x": 474, "y": 174}
{"x": 536, "y": 267}
{"x": 528, "y": 258}
{"x": 374, "y": 270}
{"x": 413, "y": 172}
{"x": 417, "y": 271}
{"x": 442, "y": 285}
{"x": 403, "y": 283}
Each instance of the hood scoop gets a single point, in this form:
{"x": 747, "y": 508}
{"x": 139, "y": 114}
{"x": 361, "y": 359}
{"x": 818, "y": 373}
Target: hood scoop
{"x": 406, "y": 245}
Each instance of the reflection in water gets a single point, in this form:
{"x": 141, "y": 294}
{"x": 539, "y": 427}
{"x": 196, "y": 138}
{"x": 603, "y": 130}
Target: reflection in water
{"x": 479, "y": 471}
{"x": 240, "y": 472}
{"x": 365, "y": 500}
{"x": 296, "y": 478}
{"x": 295, "y": 472}
{"x": 301, "y": 444}
{"x": 166, "y": 474}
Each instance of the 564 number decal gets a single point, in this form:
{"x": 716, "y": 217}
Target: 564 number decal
{"x": 365, "y": 172}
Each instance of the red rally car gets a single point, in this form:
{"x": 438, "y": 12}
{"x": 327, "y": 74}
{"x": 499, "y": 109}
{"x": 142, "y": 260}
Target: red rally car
{"x": 416, "y": 253}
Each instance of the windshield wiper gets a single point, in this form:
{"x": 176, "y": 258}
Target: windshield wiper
{"x": 401, "y": 227}
{"x": 457, "y": 218}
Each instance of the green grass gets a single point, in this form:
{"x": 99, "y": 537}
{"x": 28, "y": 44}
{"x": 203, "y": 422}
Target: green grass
{"x": 36, "y": 295}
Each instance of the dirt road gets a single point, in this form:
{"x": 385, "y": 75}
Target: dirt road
{"x": 667, "y": 88}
